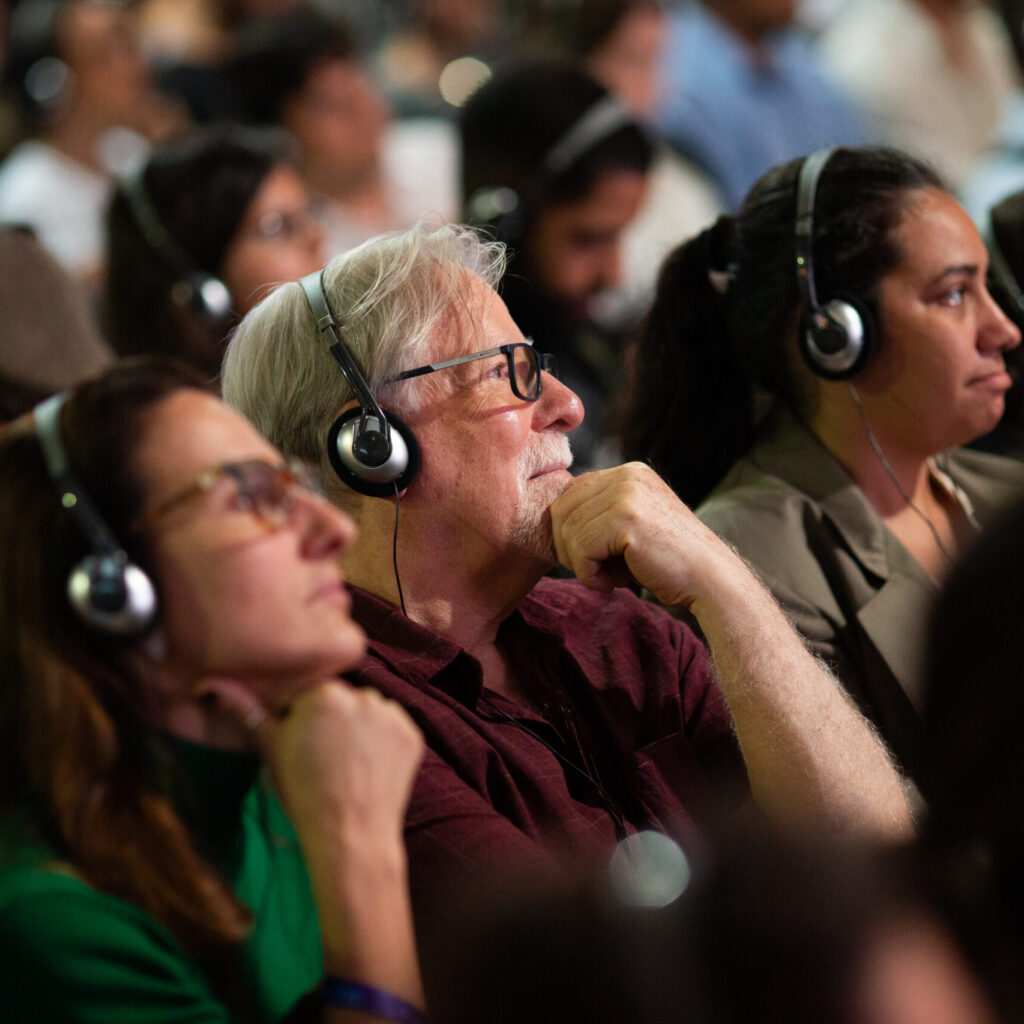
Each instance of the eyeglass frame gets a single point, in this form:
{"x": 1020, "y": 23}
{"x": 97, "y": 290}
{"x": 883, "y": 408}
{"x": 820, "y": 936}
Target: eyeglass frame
{"x": 294, "y": 473}
{"x": 545, "y": 361}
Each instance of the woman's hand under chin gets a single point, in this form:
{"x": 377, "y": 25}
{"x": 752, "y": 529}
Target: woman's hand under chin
{"x": 342, "y": 759}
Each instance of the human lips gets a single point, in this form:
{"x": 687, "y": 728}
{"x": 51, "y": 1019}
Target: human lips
{"x": 550, "y": 459}
{"x": 558, "y": 467}
{"x": 996, "y": 378}
{"x": 333, "y": 592}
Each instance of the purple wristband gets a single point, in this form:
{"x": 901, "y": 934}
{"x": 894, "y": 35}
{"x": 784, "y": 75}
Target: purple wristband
{"x": 354, "y": 995}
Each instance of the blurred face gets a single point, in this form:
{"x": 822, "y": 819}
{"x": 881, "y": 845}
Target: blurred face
{"x": 938, "y": 378}
{"x": 240, "y": 598}
{"x": 339, "y": 119}
{"x": 574, "y": 248}
{"x": 492, "y": 462}
{"x": 99, "y": 44}
{"x": 626, "y": 63}
{"x": 278, "y": 240}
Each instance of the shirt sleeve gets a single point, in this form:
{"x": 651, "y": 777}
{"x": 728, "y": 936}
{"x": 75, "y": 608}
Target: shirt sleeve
{"x": 70, "y": 953}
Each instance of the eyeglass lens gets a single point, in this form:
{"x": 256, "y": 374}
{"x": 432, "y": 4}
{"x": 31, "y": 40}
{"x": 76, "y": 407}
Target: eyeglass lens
{"x": 268, "y": 491}
{"x": 525, "y": 373}
{"x": 527, "y": 364}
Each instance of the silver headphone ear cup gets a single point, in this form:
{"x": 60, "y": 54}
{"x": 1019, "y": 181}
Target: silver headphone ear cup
{"x": 391, "y": 469}
{"x": 111, "y": 595}
{"x": 836, "y": 339}
{"x": 376, "y": 481}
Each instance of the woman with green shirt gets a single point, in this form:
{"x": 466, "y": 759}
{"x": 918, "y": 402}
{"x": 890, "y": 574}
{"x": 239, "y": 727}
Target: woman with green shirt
{"x": 199, "y": 822}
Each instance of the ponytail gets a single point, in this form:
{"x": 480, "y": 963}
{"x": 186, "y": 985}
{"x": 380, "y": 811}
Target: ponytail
{"x": 688, "y": 408}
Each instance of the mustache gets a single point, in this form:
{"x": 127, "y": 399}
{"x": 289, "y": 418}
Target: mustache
{"x": 552, "y": 451}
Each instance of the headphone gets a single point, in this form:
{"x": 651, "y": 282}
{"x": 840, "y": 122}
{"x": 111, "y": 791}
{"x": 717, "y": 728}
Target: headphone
{"x": 373, "y": 453}
{"x": 107, "y": 591}
{"x": 838, "y": 336}
{"x": 502, "y": 210}
{"x": 204, "y": 295}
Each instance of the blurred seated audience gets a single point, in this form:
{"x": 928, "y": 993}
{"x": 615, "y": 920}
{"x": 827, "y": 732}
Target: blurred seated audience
{"x": 745, "y": 90}
{"x": 211, "y": 222}
{"x": 807, "y": 373}
{"x": 934, "y": 75}
{"x": 557, "y": 168}
{"x": 51, "y": 340}
{"x": 89, "y": 110}
{"x": 147, "y": 869}
{"x": 367, "y": 173}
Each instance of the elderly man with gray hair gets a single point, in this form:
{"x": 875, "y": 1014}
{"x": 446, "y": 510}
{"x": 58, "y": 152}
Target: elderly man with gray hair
{"x": 560, "y": 714}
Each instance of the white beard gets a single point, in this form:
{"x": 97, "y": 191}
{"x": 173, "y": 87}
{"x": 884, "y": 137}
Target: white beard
{"x": 531, "y": 525}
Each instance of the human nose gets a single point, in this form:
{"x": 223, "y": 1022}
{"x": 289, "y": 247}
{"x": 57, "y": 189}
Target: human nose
{"x": 998, "y": 331}
{"x": 326, "y": 530}
{"x": 558, "y": 406}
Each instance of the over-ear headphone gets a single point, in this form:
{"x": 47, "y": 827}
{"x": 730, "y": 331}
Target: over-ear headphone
{"x": 373, "y": 453}
{"x": 838, "y": 336}
{"x": 106, "y": 590}
{"x": 203, "y": 294}
{"x": 502, "y": 210}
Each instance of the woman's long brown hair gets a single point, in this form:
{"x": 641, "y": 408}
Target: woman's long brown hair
{"x": 73, "y": 746}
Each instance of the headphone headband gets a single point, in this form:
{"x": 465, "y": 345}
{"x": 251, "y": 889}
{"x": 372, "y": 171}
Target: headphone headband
{"x": 316, "y": 295}
{"x": 72, "y": 495}
{"x": 205, "y": 293}
{"x": 503, "y": 209}
{"x": 366, "y": 455}
{"x": 599, "y": 121}
{"x": 836, "y": 337}
{"x": 105, "y": 589}
{"x": 806, "y": 190}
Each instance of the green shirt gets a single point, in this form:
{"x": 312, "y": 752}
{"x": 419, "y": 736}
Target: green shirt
{"x": 71, "y": 953}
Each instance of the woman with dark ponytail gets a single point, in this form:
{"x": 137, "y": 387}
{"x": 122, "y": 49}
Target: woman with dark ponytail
{"x": 806, "y": 375}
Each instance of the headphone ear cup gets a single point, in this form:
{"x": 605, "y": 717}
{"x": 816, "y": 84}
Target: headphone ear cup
{"x": 376, "y": 481}
{"x": 112, "y": 595}
{"x": 206, "y": 296}
{"x": 838, "y": 338}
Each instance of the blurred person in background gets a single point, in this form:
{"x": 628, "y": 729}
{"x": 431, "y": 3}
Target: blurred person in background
{"x": 415, "y": 62}
{"x": 212, "y": 221}
{"x": 755, "y": 927}
{"x": 934, "y": 76}
{"x": 745, "y": 90}
{"x": 301, "y": 71}
{"x": 89, "y": 111}
{"x": 621, "y": 43}
{"x": 973, "y": 836}
{"x": 51, "y": 339}
{"x": 556, "y": 167}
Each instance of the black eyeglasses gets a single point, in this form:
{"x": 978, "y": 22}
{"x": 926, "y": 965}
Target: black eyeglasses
{"x": 523, "y": 361}
{"x": 264, "y": 490}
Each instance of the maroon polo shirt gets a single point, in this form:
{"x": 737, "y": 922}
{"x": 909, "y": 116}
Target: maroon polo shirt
{"x": 625, "y": 721}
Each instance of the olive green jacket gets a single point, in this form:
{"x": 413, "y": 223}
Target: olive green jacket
{"x": 850, "y": 587}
